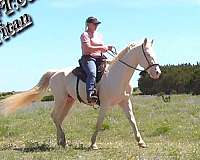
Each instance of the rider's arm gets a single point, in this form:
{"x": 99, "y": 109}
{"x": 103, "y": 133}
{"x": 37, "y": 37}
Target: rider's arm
{"x": 88, "y": 48}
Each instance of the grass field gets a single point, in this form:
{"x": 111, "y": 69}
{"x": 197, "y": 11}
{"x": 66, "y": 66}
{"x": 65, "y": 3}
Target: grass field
{"x": 171, "y": 131}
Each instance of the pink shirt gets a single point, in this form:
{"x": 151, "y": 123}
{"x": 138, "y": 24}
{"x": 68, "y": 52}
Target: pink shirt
{"x": 95, "y": 39}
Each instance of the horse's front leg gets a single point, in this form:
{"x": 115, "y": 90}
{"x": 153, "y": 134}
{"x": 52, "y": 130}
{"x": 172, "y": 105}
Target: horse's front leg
{"x": 127, "y": 108}
{"x": 100, "y": 119}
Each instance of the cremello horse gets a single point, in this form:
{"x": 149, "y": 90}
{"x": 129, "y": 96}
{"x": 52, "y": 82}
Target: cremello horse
{"x": 113, "y": 89}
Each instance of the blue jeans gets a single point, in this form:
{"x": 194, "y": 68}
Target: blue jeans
{"x": 89, "y": 65}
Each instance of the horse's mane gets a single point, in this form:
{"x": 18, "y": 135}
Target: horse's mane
{"x": 124, "y": 51}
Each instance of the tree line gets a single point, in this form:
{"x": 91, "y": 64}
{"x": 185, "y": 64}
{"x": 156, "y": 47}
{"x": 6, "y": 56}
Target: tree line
{"x": 175, "y": 79}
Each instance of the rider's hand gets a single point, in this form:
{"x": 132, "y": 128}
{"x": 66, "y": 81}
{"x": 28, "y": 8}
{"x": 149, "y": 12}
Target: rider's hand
{"x": 105, "y": 48}
{"x": 110, "y": 48}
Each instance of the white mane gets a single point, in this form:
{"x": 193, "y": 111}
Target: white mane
{"x": 124, "y": 51}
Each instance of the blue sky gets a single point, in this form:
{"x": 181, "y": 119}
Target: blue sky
{"x": 53, "y": 41}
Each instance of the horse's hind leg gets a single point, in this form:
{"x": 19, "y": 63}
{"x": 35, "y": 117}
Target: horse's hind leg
{"x": 63, "y": 103}
{"x": 99, "y": 123}
{"x": 59, "y": 112}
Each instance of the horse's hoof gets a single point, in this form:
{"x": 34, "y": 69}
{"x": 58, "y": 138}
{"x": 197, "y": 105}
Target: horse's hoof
{"x": 94, "y": 147}
{"x": 62, "y": 143}
{"x": 142, "y": 145}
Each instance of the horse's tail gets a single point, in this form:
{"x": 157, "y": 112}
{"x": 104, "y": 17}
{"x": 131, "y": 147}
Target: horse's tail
{"x": 20, "y": 100}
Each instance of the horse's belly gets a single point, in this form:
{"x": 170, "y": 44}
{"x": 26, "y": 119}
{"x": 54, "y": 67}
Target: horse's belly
{"x": 71, "y": 82}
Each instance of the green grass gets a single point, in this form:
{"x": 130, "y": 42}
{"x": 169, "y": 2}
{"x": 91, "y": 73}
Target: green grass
{"x": 171, "y": 131}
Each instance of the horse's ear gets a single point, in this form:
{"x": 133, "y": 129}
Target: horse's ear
{"x": 152, "y": 42}
{"x": 145, "y": 41}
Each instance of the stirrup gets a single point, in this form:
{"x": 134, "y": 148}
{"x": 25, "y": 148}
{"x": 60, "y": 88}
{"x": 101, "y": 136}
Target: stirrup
{"x": 92, "y": 99}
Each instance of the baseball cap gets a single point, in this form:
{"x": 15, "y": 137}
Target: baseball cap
{"x": 92, "y": 20}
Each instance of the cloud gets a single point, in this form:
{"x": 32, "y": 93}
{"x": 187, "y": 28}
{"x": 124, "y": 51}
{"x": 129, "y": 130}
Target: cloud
{"x": 121, "y": 4}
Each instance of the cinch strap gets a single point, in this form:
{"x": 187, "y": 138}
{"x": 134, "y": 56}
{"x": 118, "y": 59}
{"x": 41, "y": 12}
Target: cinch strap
{"x": 77, "y": 92}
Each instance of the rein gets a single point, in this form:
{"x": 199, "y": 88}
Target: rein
{"x": 113, "y": 53}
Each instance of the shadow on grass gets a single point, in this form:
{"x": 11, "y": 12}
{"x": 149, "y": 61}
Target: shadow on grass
{"x": 45, "y": 147}
{"x": 38, "y": 148}
{"x": 87, "y": 148}
{"x": 80, "y": 147}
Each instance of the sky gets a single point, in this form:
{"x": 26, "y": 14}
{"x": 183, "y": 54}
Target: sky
{"x": 53, "y": 42}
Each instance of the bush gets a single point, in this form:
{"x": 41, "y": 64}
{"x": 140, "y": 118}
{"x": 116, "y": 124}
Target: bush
{"x": 3, "y": 94}
{"x": 135, "y": 89}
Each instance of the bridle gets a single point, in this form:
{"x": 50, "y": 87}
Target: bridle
{"x": 113, "y": 53}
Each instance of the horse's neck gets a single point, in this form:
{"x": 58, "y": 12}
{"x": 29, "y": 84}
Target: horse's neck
{"x": 121, "y": 74}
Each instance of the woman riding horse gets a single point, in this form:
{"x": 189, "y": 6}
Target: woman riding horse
{"x": 92, "y": 51}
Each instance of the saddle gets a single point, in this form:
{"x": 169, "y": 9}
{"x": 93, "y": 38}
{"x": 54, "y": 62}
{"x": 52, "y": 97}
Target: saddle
{"x": 81, "y": 75}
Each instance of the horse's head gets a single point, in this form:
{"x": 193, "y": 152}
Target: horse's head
{"x": 148, "y": 60}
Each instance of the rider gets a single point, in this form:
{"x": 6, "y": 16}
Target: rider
{"x": 92, "y": 51}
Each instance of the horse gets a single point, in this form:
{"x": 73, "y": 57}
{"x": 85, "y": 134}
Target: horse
{"x": 114, "y": 88}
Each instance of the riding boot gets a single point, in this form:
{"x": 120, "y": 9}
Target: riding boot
{"x": 92, "y": 97}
